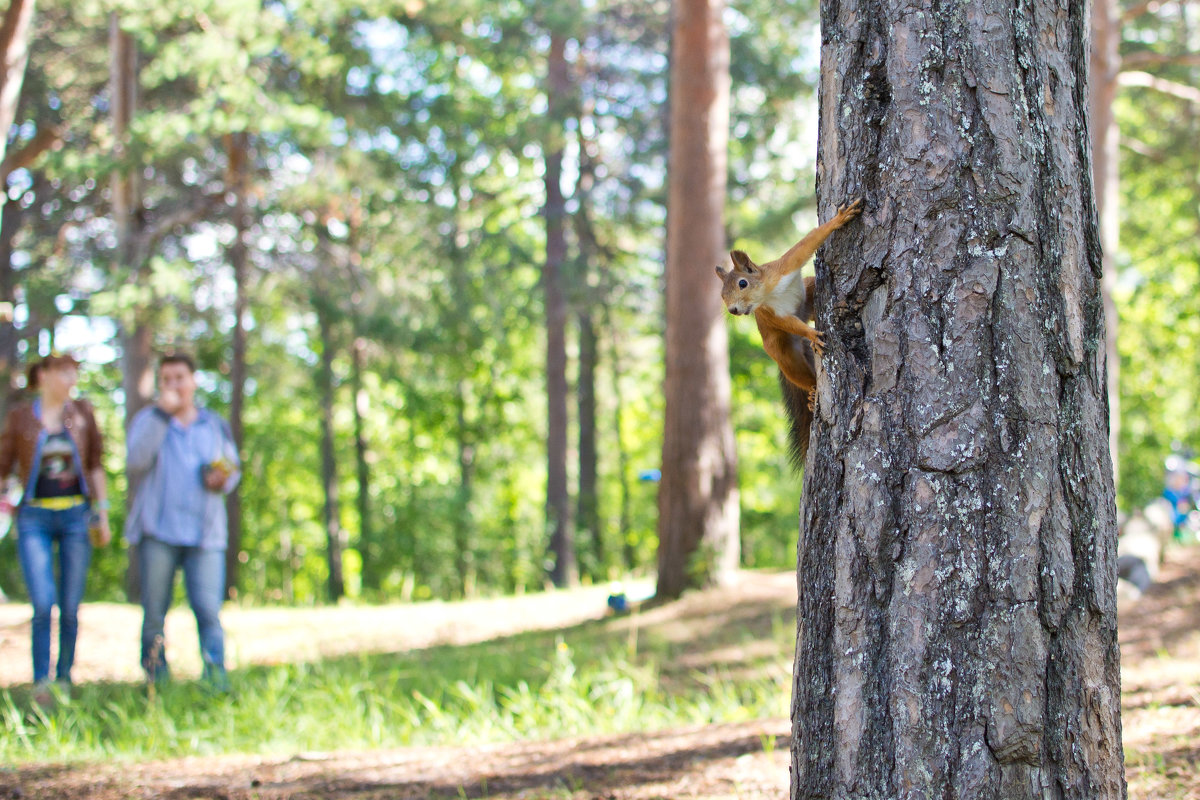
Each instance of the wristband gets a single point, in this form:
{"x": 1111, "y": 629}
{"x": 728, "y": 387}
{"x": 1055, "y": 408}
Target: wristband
{"x": 101, "y": 505}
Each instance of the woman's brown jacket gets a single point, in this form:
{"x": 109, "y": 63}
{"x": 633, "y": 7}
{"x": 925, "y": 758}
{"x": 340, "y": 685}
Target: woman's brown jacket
{"x": 18, "y": 440}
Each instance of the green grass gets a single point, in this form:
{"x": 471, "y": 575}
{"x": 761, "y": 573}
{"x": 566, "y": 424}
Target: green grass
{"x": 583, "y": 680}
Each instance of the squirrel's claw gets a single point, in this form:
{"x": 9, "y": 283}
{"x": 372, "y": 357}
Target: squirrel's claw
{"x": 818, "y": 343}
{"x": 848, "y": 211}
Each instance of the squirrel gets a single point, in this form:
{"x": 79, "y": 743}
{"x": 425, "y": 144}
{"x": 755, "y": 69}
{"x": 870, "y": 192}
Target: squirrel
{"x": 781, "y": 301}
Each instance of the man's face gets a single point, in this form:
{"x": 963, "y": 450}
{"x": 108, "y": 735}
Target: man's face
{"x": 178, "y": 378}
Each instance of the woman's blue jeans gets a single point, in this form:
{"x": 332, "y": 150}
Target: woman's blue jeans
{"x": 204, "y": 579}
{"x": 38, "y": 530}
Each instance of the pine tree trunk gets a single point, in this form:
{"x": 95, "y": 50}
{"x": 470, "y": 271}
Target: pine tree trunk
{"x": 238, "y": 152}
{"x": 698, "y": 495}
{"x": 334, "y": 536}
{"x": 136, "y": 338}
{"x": 9, "y": 336}
{"x": 564, "y": 571}
{"x": 14, "y": 56}
{"x": 1105, "y": 69}
{"x": 587, "y": 519}
{"x": 137, "y": 367}
{"x": 368, "y": 547}
{"x": 957, "y": 615}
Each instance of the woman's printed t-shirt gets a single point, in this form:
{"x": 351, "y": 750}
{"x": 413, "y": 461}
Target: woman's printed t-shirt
{"x": 57, "y": 476}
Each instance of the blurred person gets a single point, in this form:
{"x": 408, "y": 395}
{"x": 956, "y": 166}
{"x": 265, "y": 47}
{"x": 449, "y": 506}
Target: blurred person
{"x": 56, "y": 448}
{"x": 183, "y": 461}
{"x": 1179, "y": 490}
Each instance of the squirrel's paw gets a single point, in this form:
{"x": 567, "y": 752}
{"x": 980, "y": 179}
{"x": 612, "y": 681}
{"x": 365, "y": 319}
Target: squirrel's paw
{"x": 818, "y": 343}
{"x": 812, "y": 400}
{"x": 849, "y": 211}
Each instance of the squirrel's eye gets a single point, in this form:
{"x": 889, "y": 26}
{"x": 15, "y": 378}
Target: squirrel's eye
{"x": 743, "y": 283}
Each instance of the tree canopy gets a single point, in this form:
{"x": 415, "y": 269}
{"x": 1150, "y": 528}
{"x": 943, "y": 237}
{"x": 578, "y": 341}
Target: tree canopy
{"x": 383, "y": 166}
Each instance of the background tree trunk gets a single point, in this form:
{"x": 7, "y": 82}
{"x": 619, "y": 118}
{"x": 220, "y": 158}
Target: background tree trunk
{"x": 698, "y": 495}
{"x": 957, "y": 619}
{"x": 1105, "y": 70}
{"x": 9, "y": 336}
{"x": 564, "y": 571}
{"x": 587, "y": 525}
{"x": 137, "y": 367}
{"x": 368, "y": 547}
{"x": 14, "y": 55}
{"x": 237, "y": 177}
{"x": 136, "y": 339}
{"x": 334, "y": 535}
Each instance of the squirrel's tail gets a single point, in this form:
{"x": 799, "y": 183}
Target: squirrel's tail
{"x": 795, "y": 402}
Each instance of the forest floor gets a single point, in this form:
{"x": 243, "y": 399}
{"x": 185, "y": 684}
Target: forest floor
{"x": 1160, "y": 641}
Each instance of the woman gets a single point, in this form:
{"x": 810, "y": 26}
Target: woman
{"x": 55, "y": 446}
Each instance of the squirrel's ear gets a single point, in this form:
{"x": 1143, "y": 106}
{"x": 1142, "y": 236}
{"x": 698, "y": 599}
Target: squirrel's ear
{"x": 721, "y": 273}
{"x": 742, "y": 261}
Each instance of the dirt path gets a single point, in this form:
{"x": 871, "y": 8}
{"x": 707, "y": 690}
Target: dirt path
{"x": 746, "y": 760}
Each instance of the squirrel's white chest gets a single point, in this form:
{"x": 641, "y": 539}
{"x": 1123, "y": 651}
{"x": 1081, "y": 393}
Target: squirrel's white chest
{"x": 788, "y": 295}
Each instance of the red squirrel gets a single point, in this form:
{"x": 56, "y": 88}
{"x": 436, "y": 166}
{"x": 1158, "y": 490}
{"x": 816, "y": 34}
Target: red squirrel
{"x": 781, "y": 300}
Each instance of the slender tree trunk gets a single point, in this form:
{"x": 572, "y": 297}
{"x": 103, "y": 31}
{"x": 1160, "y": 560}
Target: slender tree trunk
{"x": 625, "y": 524}
{"x": 238, "y": 149}
{"x": 564, "y": 571}
{"x": 466, "y": 539}
{"x": 1106, "y": 137}
{"x": 368, "y": 548}
{"x": 136, "y": 336}
{"x": 957, "y": 616}
{"x": 14, "y": 56}
{"x": 698, "y": 495}
{"x": 10, "y": 223}
{"x": 587, "y": 524}
{"x": 329, "y": 479}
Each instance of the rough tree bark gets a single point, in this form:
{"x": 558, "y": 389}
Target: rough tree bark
{"x": 957, "y": 616}
{"x": 698, "y": 494}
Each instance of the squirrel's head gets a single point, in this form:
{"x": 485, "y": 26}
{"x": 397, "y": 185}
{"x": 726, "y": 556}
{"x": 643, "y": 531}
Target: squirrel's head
{"x": 741, "y": 286}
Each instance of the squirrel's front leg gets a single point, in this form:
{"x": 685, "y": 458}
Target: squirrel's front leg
{"x": 796, "y": 326}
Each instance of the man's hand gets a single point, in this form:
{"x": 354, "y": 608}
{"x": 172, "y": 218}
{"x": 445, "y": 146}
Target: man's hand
{"x": 170, "y": 401}
{"x": 215, "y": 476}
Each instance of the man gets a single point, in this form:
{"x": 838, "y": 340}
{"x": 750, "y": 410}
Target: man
{"x": 183, "y": 461}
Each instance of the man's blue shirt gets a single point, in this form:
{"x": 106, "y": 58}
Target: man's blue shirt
{"x": 165, "y": 462}
{"x": 184, "y": 453}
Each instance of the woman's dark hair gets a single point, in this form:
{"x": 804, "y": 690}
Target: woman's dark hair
{"x": 52, "y": 361}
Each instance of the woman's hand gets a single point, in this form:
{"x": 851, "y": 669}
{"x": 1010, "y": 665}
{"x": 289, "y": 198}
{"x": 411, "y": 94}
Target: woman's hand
{"x": 99, "y": 529}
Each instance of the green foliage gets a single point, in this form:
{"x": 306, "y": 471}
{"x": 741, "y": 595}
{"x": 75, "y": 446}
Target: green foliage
{"x": 1158, "y": 263}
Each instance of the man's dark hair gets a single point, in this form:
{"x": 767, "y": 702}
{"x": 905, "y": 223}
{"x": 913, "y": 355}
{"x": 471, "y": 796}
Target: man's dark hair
{"x": 178, "y": 358}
